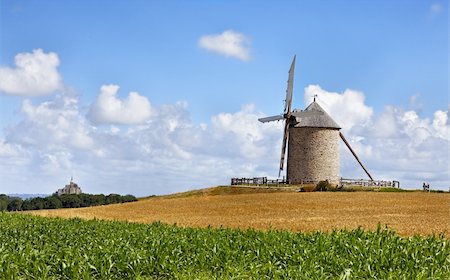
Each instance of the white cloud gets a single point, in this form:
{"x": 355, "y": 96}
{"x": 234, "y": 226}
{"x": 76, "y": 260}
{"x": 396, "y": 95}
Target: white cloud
{"x": 8, "y": 150}
{"x": 229, "y": 43}
{"x": 35, "y": 74}
{"x": 56, "y": 123}
{"x": 109, "y": 109}
{"x": 395, "y": 144}
{"x": 169, "y": 152}
{"x": 165, "y": 154}
{"x": 415, "y": 150}
{"x": 386, "y": 123}
{"x": 248, "y": 137}
{"x": 48, "y": 142}
{"x": 441, "y": 124}
{"x": 348, "y": 109}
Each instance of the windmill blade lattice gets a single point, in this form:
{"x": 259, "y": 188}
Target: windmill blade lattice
{"x": 290, "y": 88}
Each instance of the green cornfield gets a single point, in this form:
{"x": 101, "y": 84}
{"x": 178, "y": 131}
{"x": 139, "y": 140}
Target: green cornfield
{"x": 53, "y": 248}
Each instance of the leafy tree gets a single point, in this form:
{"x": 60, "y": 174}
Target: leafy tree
{"x": 70, "y": 201}
{"x": 52, "y": 202}
{"x": 15, "y": 204}
{"x": 98, "y": 199}
{"x": 63, "y": 201}
{"x": 4, "y": 201}
{"x": 35, "y": 203}
{"x": 113, "y": 198}
{"x": 27, "y": 205}
{"x": 38, "y": 203}
{"x": 85, "y": 200}
{"x": 128, "y": 198}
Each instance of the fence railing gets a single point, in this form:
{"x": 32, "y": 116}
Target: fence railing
{"x": 263, "y": 181}
{"x": 257, "y": 181}
{"x": 369, "y": 183}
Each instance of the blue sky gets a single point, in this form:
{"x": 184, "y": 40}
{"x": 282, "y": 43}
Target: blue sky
{"x": 395, "y": 53}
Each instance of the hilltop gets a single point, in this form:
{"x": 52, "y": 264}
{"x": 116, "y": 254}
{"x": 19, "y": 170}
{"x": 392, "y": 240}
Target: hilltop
{"x": 249, "y": 189}
{"x": 226, "y": 190}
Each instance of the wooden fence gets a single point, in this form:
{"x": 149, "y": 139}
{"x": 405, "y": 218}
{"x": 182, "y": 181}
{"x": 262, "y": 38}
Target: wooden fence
{"x": 257, "y": 181}
{"x": 263, "y": 181}
{"x": 369, "y": 183}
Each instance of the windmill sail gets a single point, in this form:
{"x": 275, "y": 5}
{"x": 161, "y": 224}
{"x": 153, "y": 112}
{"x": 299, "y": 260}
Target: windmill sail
{"x": 283, "y": 146}
{"x": 271, "y": 119}
{"x": 290, "y": 88}
{"x": 287, "y": 113}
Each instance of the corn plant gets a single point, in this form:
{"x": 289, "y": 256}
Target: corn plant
{"x": 53, "y": 248}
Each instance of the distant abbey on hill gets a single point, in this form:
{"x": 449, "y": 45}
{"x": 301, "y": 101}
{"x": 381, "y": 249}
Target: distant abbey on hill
{"x": 71, "y": 188}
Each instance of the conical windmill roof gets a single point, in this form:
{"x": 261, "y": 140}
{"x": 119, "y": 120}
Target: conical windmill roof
{"x": 324, "y": 120}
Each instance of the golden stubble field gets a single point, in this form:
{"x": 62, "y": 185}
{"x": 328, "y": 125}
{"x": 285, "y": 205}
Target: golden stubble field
{"x": 408, "y": 213}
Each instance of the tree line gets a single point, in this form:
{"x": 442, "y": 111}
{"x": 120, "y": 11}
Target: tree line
{"x": 8, "y": 203}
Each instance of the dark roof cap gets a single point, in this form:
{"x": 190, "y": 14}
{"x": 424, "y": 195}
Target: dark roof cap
{"x": 324, "y": 120}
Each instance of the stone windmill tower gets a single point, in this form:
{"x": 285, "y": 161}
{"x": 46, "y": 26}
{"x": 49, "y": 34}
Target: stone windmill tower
{"x": 312, "y": 139}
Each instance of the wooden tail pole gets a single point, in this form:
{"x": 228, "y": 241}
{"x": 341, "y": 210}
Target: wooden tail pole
{"x": 354, "y": 154}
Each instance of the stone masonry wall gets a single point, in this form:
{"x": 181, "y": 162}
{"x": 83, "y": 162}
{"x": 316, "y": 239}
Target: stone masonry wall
{"x": 313, "y": 155}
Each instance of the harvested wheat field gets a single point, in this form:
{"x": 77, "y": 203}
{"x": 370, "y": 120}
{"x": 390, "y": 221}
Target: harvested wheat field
{"x": 408, "y": 213}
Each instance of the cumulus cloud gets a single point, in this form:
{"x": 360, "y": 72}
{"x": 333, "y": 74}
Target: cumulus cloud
{"x": 441, "y": 124}
{"x": 415, "y": 149}
{"x": 43, "y": 148}
{"x": 169, "y": 152}
{"x": 108, "y": 109}
{"x": 395, "y": 144}
{"x": 248, "y": 138}
{"x": 229, "y": 43}
{"x": 35, "y": 74}
{"x": 56, "y": 123}
{"x": 348, "y": 108}
{"x": 8, "y": 150}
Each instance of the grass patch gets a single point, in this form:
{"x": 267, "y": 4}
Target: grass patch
{"x": 249, "y": 189}
{"x": 220, "y": 190}
{"x": 54, "y": 248}
{"x": 393, "y": 190}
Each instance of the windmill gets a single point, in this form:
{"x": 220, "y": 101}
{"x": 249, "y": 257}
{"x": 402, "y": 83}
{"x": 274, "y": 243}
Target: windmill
{"x": 311, "y": 138}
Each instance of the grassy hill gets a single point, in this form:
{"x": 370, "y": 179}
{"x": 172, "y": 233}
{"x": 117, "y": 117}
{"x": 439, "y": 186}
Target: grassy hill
{"x": 249, "y": 189}
{"x": 226, "y": 190}
{"x": 408, "y": 213}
